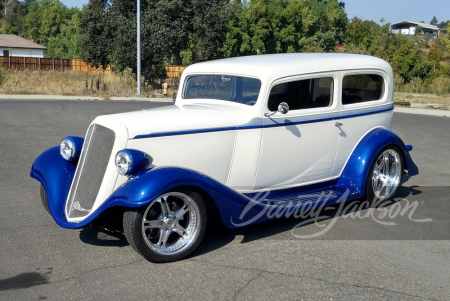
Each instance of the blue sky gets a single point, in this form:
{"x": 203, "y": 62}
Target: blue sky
{"x": 391, "y": 10}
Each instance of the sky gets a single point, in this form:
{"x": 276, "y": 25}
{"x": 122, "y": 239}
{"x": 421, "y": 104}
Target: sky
{"x": 391, "y": 10}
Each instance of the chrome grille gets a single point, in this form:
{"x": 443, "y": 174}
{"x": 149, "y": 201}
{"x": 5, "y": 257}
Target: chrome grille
{"x": 91, "y": 169}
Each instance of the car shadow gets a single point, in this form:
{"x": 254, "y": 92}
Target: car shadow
{"x": 218, "y": 236}
{"x": 98, "y": 236}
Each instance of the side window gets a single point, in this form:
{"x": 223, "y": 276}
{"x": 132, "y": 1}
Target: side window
{"x": 361, "y": 88}
{"x": 5, "y": 52}
{"x": 303, "y": 94}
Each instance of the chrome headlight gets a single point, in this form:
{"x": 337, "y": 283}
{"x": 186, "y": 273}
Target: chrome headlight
{"x": 70, "y": 148}
{"x": 124, "y": 162}
{"x": 130, "y": 161}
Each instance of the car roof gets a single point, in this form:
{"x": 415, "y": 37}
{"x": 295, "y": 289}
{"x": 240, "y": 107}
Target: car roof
{"x": 274, "y": 66}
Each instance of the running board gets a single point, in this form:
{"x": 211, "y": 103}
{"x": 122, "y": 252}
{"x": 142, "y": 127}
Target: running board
{"x": 325, "y": 195}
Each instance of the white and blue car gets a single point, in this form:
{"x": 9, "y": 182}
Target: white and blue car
{"x": 244, "y": 134}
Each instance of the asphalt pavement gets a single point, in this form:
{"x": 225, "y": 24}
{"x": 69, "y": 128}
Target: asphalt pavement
{"x": 358, "y": 258}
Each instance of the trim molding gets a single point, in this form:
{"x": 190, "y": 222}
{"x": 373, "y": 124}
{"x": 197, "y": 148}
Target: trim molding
{"x": 250, "y": 127}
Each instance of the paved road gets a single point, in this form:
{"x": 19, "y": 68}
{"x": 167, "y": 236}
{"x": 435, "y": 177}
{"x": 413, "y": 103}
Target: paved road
{"x": 357, "y": 259}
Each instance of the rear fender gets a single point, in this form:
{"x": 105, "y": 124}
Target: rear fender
{"x": 355, "y": 173}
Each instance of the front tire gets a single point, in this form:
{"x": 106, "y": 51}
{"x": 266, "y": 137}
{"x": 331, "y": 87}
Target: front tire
{"x": 44, "y": 199}
{"x": 385, "y": 176}
{"x": 169, "y": 228}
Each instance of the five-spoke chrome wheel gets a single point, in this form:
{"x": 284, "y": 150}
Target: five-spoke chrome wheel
{"x": 169, "y": 228}
{"x": 170, "y": 223}
{"x": 386, "y": 174}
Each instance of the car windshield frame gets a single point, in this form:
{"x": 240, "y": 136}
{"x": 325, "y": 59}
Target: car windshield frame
{"x": 224, "y": 87}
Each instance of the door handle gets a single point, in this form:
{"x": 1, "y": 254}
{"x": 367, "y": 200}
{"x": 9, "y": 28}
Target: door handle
{"x": 338, "y": 124}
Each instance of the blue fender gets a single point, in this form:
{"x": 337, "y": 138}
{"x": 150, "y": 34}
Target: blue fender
{"x": 354, "y": 175}
{"x": 143, "y": 188}
{"x": 56, "y": 175}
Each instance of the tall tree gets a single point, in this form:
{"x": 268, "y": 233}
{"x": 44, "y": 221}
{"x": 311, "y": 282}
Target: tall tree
{"x": 434, "y": 21}
{"x": 52, "y": 24}
{"x": 443, "y": 24}
{"x": 98, "y": 33}
{"x": 209, "y": 28}
{"x": 275, "y": 26}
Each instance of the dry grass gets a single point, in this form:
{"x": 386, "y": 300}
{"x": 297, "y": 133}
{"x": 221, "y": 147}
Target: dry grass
{"x": 27, "y": 82}
{"x": 72, "y": 83}
{"x": 438, "y": 86}
{"x": 422, "y": 98}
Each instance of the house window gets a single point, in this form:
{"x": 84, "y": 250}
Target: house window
{"x": 361, "y": 88}
{"x": 303, "y": 94}
{"x": 5, "y": 52}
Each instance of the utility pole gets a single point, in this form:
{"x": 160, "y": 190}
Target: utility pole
{"x": 138, "y": 47}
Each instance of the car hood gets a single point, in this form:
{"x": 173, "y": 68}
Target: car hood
{"x": 173, "y": 119}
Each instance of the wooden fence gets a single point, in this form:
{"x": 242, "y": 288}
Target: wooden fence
{"x": 45, "y": 64}
{"x": 80, "y": 65}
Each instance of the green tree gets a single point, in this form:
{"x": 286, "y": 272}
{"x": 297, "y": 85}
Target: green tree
{"x": 67, "y": 42}
{"x": 98, "y": 33}
{"x": 443, "y": 24}
{"x": 210, "y": 26}
{"x": 434, "y": 21}
{"x": 277, "y": 26}
{"x": 444, "y": 42}
{"x": 52, "y": 24}
{"x": 410, "y": 63}
{"x": 12, "y": 13}
{"x": 418, "y": 30}
{"x": 358, "y": 34}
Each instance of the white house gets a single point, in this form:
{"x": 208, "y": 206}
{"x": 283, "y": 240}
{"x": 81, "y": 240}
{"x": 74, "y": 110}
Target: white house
{"x": 409, "y": 28}
{"x": 13, "y": 45}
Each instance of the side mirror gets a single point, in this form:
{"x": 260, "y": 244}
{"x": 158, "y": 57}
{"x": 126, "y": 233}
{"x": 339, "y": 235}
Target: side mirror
{"x": 283, "y": 108}
{"x": 174, "y": 97}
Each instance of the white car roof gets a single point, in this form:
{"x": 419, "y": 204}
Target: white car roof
{"x": 274, "y": 66}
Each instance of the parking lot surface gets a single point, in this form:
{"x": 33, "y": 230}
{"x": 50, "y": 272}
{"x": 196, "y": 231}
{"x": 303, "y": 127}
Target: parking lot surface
{"x": 358, "y": 258}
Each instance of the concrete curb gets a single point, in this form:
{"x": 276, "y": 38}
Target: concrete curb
{"x": 440, "y": 113}
{"x": 77, "y": 98}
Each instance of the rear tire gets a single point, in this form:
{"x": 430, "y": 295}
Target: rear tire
{"x": 385, "y": 176}
{"x": 169, "y": 228}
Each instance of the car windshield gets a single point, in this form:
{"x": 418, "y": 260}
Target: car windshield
{"x": 238, "y": 89}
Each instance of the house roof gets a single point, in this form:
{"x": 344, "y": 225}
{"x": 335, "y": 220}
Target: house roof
{"x": 423, "y": 25}
{"x": 14, "y": 41}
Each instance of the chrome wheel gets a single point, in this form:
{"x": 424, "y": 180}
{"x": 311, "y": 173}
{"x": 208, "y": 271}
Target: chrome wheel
{"x": 171, "y": 223}
{"x": 386, "y": 174}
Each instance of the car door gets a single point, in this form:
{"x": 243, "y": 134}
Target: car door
{"x": 299, "y": 147}
{"x": 365, "y": 105}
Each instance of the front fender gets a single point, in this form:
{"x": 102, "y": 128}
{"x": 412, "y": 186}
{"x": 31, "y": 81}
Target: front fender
{"x": 354, "y": 175}
{"x": 56, "y": 175}
{"x": 143, "y": 188}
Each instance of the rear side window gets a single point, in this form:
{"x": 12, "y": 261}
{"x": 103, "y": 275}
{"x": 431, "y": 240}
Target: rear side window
{"x": 359, "y": 88}
{"x": 303, "y": 94}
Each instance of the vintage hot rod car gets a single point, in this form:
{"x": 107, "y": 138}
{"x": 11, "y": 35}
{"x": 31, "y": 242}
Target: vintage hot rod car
{"x": 243, "y": 135}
